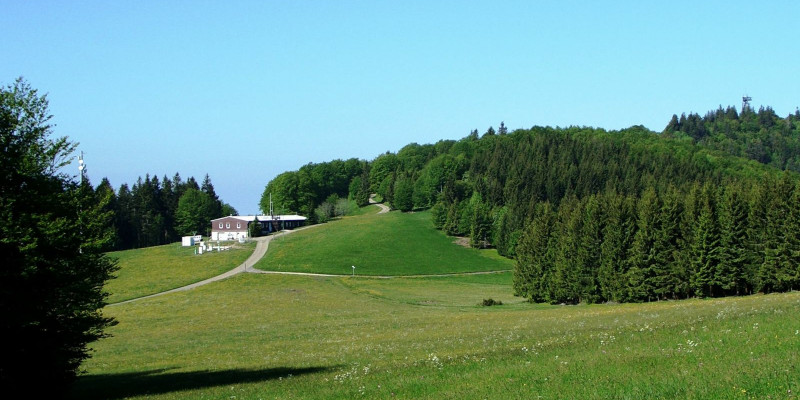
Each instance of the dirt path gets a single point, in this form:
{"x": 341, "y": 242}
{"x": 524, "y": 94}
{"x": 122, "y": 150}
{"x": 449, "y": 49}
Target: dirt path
{"x": 262, "y": 244}
{"x": 258, "y": 271}
{"x": 384, "y": 208}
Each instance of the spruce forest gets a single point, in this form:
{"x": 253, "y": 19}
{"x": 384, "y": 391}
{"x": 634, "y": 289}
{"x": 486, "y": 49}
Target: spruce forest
{"x": 709, "y": 207}
{"x": 154, "y": 212}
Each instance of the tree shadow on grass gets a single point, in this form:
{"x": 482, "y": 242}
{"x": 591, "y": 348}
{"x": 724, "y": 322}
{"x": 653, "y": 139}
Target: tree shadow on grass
{"x": 118, "y": 386}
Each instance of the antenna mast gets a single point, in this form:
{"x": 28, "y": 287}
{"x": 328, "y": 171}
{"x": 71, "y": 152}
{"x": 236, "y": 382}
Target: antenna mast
{"x": 81, "y": 166}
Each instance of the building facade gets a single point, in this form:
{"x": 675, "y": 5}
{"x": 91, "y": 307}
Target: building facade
{"x": 235, "y": 227}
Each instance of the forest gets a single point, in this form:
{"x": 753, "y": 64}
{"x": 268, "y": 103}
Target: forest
{"x": 154, "y": 212}
{"x": 708, "y": 207}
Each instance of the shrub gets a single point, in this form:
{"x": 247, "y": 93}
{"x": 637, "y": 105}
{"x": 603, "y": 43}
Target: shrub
{"x": 491, "y": 302}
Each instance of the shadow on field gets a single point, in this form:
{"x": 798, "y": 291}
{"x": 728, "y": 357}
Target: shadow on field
{"x": 117, "y": 386}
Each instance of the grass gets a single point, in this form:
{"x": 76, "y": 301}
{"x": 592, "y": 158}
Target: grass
{"x": 366, "y": 210}
{"x": 156, "y": 269}
{"x": 257, "y": 336}
{"x": 270, "y": 336}
{"x": 386, "y": 244}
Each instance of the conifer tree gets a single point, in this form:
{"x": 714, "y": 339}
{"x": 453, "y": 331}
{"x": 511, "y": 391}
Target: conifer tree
{"x": 732, "y": 269}
{"x": 534, "y": 266}
{"x": 618, "y": 234}
{"x": 705, "y": 250}
{"x": 778, "y": 269}
{"x": 564, "y": 282}
{"x": 758, "y": 203}
{"x": 670, "y": 278}
{"x": 480, "y": 222}
{"x": 439, "y": 215}
{"x": 589, "y": 249}
{"x": 52, "y": 268}
{"x": 645, "y": 253}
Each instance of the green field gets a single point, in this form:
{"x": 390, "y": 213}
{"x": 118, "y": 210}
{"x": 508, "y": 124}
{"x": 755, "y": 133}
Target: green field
{"x": 257, "y": 336}
{"x": 156, "y": 269}
{"x": 387, "y": 244}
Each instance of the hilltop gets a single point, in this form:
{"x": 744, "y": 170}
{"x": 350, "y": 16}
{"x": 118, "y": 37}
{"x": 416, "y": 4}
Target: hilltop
{"x": 594, "y": 215}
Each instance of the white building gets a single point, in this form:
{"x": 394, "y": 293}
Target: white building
{"x": 235, "y": 227}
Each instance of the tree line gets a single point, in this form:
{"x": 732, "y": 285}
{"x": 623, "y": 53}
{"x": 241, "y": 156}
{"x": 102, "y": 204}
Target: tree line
{"x": 704, "y": 240}
{"x": 157, "y": 211}
{"x": 759, "y": 135}
{"x": 594, "y": 215}
{"x": 318, "y": 191}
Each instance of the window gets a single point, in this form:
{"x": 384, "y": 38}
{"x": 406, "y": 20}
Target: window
{"x": 227, "y": 225}
{"x": 220, "y": 225}
{"x": 238, "y": 225}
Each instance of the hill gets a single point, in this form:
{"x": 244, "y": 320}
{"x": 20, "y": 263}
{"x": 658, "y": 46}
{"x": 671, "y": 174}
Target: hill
{"x": 589, "y": 215}
{"x": 392, "y": 244}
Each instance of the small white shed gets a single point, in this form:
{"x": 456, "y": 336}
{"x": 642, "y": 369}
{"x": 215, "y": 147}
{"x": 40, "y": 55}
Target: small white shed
{"x": 187, "y": 241}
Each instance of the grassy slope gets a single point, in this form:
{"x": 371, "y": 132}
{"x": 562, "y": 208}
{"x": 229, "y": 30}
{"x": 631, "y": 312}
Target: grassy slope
{"x": 271, "y": 336}
{"x": 268, "y": 336}
{"x": 386, "y": 244}
{"x": 156, "y": 269}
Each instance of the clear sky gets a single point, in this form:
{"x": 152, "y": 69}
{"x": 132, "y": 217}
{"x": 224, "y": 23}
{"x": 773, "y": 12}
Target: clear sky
{"x": 246, "y": 90}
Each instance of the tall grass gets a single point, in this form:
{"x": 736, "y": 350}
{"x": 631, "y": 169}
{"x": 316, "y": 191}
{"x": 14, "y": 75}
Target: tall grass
{"x": 268, "y": 336}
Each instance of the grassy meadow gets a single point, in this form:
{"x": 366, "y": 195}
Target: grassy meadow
{"x": 257, "y": 336}
{"x": 156, "y": 269}
{"x": 378, "y": 244}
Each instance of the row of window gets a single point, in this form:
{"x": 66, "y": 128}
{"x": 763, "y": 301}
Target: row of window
{"x": 287, "y": 224}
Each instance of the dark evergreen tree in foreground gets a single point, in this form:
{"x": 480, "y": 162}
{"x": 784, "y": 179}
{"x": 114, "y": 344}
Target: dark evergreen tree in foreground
{"x": 52, "y": 269}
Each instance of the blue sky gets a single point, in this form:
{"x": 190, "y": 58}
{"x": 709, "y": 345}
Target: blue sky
{"x": 246, "y": 90}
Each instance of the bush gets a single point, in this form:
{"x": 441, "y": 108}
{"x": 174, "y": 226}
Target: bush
{"x": 491, "y": 302}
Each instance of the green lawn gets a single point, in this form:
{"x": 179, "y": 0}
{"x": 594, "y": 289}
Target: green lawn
{"x": 385, "y": 244}
{"x": 160, "y": 268}
{"x": 370, "y": 209}
{"x": 269, "y": 336}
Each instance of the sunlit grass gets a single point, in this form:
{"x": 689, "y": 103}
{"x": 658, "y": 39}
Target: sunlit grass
{"x": 156, "y": 269}
{"x": 274, "y": 336}
{"x": 429, "y": 338}
{"x": 385, "y": 244}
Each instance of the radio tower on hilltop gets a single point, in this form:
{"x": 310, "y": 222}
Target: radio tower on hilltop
{"x": 746, "y": 102}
